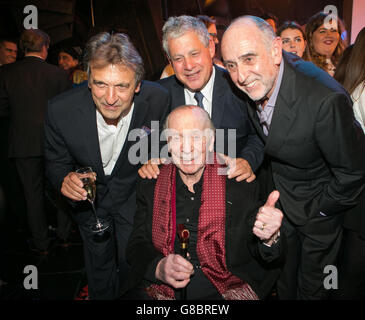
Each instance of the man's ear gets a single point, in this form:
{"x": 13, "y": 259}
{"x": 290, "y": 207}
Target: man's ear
{"x": 211, "y": 141}
{"x": 277, "y": 50}
{"x": 138, "y": 87}
{"x": 211, "y": 47}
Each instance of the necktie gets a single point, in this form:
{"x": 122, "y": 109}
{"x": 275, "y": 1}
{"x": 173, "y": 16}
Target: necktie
{"x": 198, "y": 96}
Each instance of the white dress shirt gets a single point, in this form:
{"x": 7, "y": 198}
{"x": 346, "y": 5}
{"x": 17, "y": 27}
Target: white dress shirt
{"x": 207, "y": 92}
{"x": 111, "y": 139}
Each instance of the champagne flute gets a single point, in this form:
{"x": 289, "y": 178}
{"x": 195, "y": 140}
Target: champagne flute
{"x": 90, "y": 186}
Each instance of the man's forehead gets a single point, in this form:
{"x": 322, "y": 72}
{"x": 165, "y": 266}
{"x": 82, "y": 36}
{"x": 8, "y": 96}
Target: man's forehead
{"x": 102, "y": 67}
{"x": 191, "y": 34}
{"x": 246, "y": 40}
{"x": 188, "y": 119}
{"x": 9, "y": 44}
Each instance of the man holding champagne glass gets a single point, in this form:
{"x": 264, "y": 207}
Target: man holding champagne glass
{"x": 89, "y": 127}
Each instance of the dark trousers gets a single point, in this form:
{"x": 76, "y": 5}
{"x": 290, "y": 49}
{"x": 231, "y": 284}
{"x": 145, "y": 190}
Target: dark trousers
{"x": 15, "y": 209}
{"x": 105, "y": 262}
{"x": 64, "y": 217}
{"x": 311, "y": 248}
{"x": 351, "y": 280}
{"x": 31, "y": 173}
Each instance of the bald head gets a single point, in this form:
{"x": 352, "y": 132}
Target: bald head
{"x": 190, "y": 139}
{"x": 252, "y": 55}
{"x": 186, "y": 114}
{"x": 260, "y": 27}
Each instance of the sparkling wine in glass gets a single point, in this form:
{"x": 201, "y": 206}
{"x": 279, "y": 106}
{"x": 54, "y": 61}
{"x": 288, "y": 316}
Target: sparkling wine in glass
{"x": 90, "y": 186}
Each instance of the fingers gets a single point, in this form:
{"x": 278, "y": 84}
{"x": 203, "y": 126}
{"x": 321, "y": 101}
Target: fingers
{"x": 72, "y": 186}
{"x": 251, "y": 178}
{"x": 150, "y": 169}
{"x": 223, "y": 158}
{"x": 272, "y": 198}
{"x": 240, "y": 169}
{"x": 174, "y": 270}
{"x": 268, "y": 222}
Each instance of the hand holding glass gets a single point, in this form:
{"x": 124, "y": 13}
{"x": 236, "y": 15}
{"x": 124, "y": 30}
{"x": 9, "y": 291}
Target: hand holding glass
{"x": 90, "y": 186}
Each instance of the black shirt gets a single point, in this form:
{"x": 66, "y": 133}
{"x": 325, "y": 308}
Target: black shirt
{"x": 187, "y": 213}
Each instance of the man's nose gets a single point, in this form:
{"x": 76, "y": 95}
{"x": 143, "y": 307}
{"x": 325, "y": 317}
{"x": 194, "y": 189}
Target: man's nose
{"x": 241, "y": 74}
{"x": 189, "y": 63}
{"x": 187, "y": 145}
{"x": 111, "y": 96}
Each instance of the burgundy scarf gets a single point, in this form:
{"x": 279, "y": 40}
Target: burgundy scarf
{"x": 211, "y": 232}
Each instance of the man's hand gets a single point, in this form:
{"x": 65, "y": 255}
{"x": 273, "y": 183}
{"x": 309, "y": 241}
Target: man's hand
{"x": 268, "y": 220}
{"x": 150, "y": 169}
{"x": 174, "y": 270}
{"x": 72, "y": 186}
{"x": 239, "y": 168}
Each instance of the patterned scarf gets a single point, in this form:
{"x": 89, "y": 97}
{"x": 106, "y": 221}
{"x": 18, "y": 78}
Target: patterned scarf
{"x": 211, "y": 232}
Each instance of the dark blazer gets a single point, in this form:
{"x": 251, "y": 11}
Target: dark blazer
{"x": 315, "y": 146}
{"x": 229, "y": 111}
{"x": 25, "y": 88}
{"x": 255, "y": 263}
{"x": 71, "y": 140}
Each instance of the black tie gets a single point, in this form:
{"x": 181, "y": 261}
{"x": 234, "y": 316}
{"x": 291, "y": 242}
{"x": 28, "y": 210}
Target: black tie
{"x": 198, "y": 96}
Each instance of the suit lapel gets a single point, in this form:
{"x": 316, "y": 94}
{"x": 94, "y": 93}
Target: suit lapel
{"x": 140, "y": 112}
{"x": 284, "y": 113}
{"x": 218, "y": 105}
{"x": 178, "y": 95}
{"x": 88, "y": 126}
{"x": 255, "y": 120}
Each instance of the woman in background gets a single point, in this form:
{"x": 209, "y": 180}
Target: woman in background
{"x": 325, "y": 45}
{"x": 354, "y": 81}
{"x": 340, "y": 73}
{"x": 351, "y": 265}
{"x": 292, "y": 37}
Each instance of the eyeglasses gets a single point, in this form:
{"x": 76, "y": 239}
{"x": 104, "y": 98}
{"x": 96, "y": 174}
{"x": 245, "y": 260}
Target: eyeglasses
{"x": 213, "y": 35}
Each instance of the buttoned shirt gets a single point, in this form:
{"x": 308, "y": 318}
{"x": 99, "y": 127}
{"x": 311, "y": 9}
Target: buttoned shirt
{"x": 207, "y": 92}
{"x": 112, "y": 138}
{"x": 265, "y": 114}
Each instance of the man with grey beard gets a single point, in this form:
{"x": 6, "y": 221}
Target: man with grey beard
{"x": 312, "y": 142}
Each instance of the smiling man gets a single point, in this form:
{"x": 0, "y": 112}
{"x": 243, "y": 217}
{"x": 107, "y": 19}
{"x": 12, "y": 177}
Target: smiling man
{"x": 89, "y": 127}
{"x": 312, "y": 141}
{"x": 8, "y": 51}
{"x": 197, "y": 81}
{"x": 233, "y": 246}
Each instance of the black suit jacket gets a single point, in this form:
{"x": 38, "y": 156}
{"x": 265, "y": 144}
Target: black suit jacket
{"x": 71, "y": 140}
{"x": 229, "y": 111}
{"x": 25, "y": 88}
{"x": 315, "y": 147}
{"x": 246, "y": 258}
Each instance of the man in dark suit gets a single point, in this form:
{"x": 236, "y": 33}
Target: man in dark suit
{"x": 197, "y": 81}
{"x": 233, "y": 248}
{"x": 313, "y": 144}
{"x": 25, "y": 88}
{"x": 92, "y": 126}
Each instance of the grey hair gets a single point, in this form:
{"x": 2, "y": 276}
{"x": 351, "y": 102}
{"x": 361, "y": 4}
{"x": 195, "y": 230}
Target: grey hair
{"x": 175, "y": 27}
{"x": 33, "y": 40}
{"x": 105, "y": 48}
{"x": 261, "y": 24}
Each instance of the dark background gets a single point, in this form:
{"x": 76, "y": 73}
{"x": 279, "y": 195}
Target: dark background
{"x": 70, "y": 21}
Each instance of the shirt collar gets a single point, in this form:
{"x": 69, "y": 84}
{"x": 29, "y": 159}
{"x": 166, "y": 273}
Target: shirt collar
{"x": 124, "y": 120}
{"x": 207, "y": 91}
{"x": 274, "y": 96}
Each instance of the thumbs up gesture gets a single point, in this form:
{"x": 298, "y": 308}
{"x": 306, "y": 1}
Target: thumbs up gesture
{"x": 268, "y": 220}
